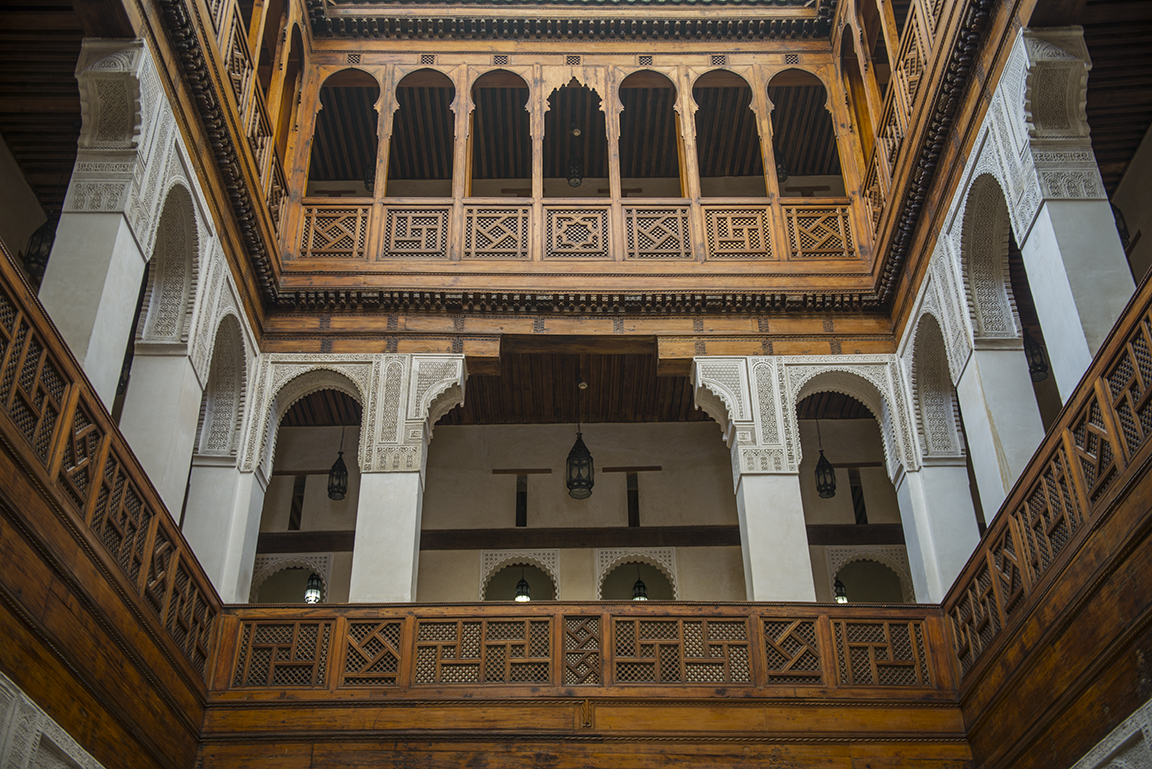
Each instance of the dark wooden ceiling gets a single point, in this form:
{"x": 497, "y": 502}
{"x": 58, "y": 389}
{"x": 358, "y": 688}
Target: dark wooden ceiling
{"x": 579, "y": 106}
{"x": 323, "y": 408}
{"x": 648, "y": 143}
{"x": 39, "y": 96}
{"x": 422, "y": 129}
{"x": 344, "y": 146}
{"x": 832, "y": 406}
{"x": 501, "y": 131}
{"x": 1119, "y": 38}
{"x": 802, "y": 134}
{"x": 727, "y": 139}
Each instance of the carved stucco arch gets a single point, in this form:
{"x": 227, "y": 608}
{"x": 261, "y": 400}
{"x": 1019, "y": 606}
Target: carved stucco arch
{"x": 894, "y": 557}
{"x": 174, "y": 275}
{"x": 267, "y": 565}
{"x": 661, "y": 559}
{"x": 985, "y": 230}
{"x": 222, "y": 407}
{"x": 492, "y": 562}
{"x": 934, "y": 401}
{"x": 283, "y": 397}
{"x": 865, "y": 384}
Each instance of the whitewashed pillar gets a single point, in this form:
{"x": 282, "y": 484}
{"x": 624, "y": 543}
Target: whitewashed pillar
{"x": 773, "y": 536}
{"x": 222, "y": 522}
{"x": 1077, "y": 268}
{"x": 409, "y": 394}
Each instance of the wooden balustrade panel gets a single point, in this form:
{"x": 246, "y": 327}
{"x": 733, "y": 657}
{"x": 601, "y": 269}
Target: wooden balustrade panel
{"x": 335, "y": 231}
{"x": 497, "y": 232}
{"x": 820, "y": 232}
{"x": 657, "y": 232}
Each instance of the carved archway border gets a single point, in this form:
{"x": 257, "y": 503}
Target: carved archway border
{"x": 917, "y": 379}
{"x": 895, "y": 557}
{"x": 663, "y": 559}
{"x": 267, "y": 565}
{"x": 493, "y": 561}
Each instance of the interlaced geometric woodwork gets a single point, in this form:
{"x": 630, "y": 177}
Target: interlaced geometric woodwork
{"x": 81, "y": 452}
{"x": 190, "y": 617}
{"x": 373, "y": 653}
{"x": 657, "y": 233}
{"x": 334, "y": 232}
{"x": 236, "y": 59}
{"x": 458, "y": 651}
{"x": 689, "y": 651}
{"x": 976, "y": 618}
{"x": 416, "y": 233}
{"x": 120, "y": 517}
{"x": 793, "y": 654}
{"x": 1094, "y": 451}
{"x": 820, "y": 232}
{"x": 31, "y": 386}
{"x": 1049, "y": 517}
{"x": 282, "y": 654}
{"x": 1130, "y": 388}
{"x": 881, "y": 653}
{"x": 581, "y": 650}
{"x": 738, "y": 233}
{"x": 576, "y": 233}
{"x": 497, "y": 233}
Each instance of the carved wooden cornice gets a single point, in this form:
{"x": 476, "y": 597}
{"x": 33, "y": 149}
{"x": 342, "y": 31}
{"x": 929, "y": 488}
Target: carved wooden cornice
{"x": 594, "y": 19}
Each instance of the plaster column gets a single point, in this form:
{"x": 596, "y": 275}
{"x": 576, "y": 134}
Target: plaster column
{"x": 939, "y": 521}
{"x": 774, "y": 538}
{"x": 1001, "y": 418}
{"x": 1080, "y": 280}
{"x": 90, "y": 290}
{"x": 161, "y": 412}
{"x": 773, "y": 534}
{"x": 415, "y": 391}
{"x": 222, "y": 522}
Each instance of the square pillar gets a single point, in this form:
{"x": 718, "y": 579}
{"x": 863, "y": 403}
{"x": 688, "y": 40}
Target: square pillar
{"x": 774, "y": 538}
{"x": 386, "y": 554}
{"x": 222, "y": 522}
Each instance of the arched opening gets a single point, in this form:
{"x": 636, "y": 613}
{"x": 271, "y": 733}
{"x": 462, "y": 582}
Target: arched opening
{"x": 877, "y": 47}
{"x": 857, "y": 94}
{"x": 575, "y": 144}
{"x": 285, "y": 118}
{"x": 938, "y": 416}
{"x": 803, "y": 136}
{"x": 501, "y": 586}
{"x": 267, "y": 46}
{"x": 423, "y": 137}
{"x": 727, "y": 138}
{"x": 501, "y": 139}
{"x": 650, "y": 149}
{"x": 868, "y": 581}
{"x": 286, "y": 586}
{"x": 298, "y": 501}
{"x": 343, "y": 159}
{"x": 620, "y": 583}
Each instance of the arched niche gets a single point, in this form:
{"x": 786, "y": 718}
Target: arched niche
{"x": 984, "y": 242}
{"x": 222, "y": 406}
{"x": 872, "y": 581}
{"x": 575, "y": 143}
{"x": 803, "y": 137}
{"x": 501, "y": 585}
{"x": 617, "y": 585}
{"x": 501, "y": 137}
{"x": 728, "y": 149}
{"x": 343, "y": 156}
{"x": 290, "y": 87}
{"x": 661, "y": 560}
{"x": 650, "y": 150}
{"x": 293, "y": 390}
{"x": 423, "y": 136}
{"x": 494, "y": 561}
{"x": 933, "y": 395}
{"x": 853, "y": 81}
{"x": 267, "y": 567}
{"x": 172, "y": 275}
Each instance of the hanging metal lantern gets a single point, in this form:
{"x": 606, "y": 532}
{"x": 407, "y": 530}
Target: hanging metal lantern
{"x": 523, "y": 590}
{"x": 639, "y": 591}
{"x": 313, "y": 591}
{"x": 781, "y": 169}
{"x": 1037, "y": 360}
{"x": 841, "y": 591}
{"x": 575, "y": 159}
{"x": 580, "y": 472}
{"x": 338, "y": 475}
{"x": 825, "y": 477}
{"x": 40, "y": 248}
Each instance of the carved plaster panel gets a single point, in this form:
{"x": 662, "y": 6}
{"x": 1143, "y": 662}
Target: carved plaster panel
{"x": 402, "y": 396}
{"x": 29, "y": 738}
{"x": 492, "y": 561}
{"x": 266, "y": 565}
{"x": 1128, "y": 746}
{"x": 895, "y": 557}
{"x": 662, "y": 558}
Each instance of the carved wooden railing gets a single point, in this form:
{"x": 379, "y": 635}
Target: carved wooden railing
{"x": 1097, "y": 446}
{"x": 76, "y": 451}
{"x": 601, "y": 648}
{"x": 652, "y": 230}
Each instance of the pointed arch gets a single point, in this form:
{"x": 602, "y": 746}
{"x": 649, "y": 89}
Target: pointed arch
{"x": 166, "y": 314}
{"x": 222, "y": 407}
{"x": 985, "y": 233}
{"x": 934, "y": 399}
{"x": 285, "y": 395}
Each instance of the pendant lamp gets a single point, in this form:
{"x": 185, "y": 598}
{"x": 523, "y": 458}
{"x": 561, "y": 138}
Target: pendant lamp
{"x": 575, "y": 158}
{"x": 312, "y": 592}
{"x": 841, "y": 591}
{"x": 338, "y": 475}
{"x": 1037, "y": 360}
{"x": 579, "y": 471}
{"x": 825, "y": 473}
{"x": 639, "y": 590}
{"x": 523, "y": 591}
